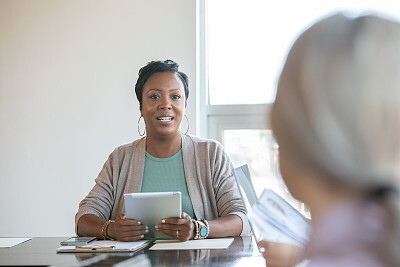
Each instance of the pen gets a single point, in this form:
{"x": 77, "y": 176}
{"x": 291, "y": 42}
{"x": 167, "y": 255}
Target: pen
{"x": 96, "y": 248}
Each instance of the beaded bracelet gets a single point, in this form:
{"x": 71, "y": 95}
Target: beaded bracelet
{"x": 196, "y": 226}
{"x": 104, "y": 229}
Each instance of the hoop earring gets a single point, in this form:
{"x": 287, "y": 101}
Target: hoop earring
{"x": 144, "y": 132}
{"x": 187, "y": 124}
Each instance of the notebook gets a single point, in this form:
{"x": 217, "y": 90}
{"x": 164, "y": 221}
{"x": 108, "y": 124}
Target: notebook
{"x": 101, "y": 246}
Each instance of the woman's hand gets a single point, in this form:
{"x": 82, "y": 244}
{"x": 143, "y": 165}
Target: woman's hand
{"x": 127, "y": 229}
{"x": 281, "y": 255}
{"x": 180, "y": 228}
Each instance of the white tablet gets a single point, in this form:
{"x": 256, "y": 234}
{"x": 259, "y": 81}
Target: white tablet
{"x": 151, "y": 208}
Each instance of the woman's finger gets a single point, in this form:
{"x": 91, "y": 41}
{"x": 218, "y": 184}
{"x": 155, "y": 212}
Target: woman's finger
{"x": 130, "y": 222}
{"x": 186, "y": 216}
{"x": 181, "y": 229}
{"x": 177, "y": 221}
{"x": 129, "y": 229}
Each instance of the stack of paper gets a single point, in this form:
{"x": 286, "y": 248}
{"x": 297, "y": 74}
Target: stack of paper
{"x": 277, "y": 221}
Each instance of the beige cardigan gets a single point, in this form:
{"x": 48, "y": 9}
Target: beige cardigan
{"x": 209, "y": 178}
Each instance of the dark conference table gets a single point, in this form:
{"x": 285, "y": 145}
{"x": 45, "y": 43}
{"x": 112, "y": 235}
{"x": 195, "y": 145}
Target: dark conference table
{"x": 41, "y": 251}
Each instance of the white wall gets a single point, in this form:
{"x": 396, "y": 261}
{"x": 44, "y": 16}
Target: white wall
{"x": 67, "y": 74}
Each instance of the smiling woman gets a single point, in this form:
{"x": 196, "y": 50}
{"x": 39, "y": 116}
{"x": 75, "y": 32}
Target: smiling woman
{"x": 165, "y": 160}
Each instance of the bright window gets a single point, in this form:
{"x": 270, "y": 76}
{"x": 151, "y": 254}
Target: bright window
{"x": 242, "y": 45}
{"x": 247, "y": 41}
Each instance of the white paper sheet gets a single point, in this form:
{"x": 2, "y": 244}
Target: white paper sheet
{"x": 8, "y": 242}
{"x": 277, "y": 221}
{"x": 212, "y": 243}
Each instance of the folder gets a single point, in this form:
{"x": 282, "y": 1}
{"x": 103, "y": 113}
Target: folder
{"x": 105, "y": 246}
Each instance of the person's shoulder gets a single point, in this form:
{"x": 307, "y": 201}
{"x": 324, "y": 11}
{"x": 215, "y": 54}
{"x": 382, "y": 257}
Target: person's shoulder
{"x": 199, "y": 140}
{"x": 208, "y": 149}
{"x": 128, "y": 148}
{"x": 204, "y": 143}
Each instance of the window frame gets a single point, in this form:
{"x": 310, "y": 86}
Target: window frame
{"x": 213, "y": 120}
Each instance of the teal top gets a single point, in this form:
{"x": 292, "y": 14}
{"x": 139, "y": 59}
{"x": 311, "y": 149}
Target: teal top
{"x": 167, "y": 175}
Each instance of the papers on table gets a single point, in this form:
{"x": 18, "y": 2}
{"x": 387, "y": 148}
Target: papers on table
{"x": 106, "y": 246}
{"x": 214, "y": 243}
{"x": 8, "y": 242}
{"x": 115, "y": 246}
{"x": 278, "y": 221}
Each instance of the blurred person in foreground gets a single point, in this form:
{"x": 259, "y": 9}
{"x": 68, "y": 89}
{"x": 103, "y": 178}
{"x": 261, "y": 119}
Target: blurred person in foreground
{"x": 336, "y": 119}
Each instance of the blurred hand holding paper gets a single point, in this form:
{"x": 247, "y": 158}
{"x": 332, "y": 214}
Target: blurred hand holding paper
{"x": 277, "y": 221}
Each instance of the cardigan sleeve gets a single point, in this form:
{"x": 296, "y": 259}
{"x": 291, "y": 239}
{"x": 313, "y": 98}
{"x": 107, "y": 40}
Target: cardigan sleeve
{"x": 227, "y": 194}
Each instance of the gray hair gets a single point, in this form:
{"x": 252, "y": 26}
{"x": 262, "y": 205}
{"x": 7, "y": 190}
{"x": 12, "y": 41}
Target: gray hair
{"x": 338, "y": 102}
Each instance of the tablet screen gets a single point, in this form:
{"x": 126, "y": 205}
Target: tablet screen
{"x": 151, "y": 208}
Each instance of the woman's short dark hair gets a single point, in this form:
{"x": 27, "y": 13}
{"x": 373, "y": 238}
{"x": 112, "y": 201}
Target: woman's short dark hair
{"x": 159, "y": 66}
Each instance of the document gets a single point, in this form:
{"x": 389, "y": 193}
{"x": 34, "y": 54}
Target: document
{"x": 8, "y": 242}
{"x": 212, "y": 243}
{"x": 106, "y": 246}
{"x": 277, "y": 221}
